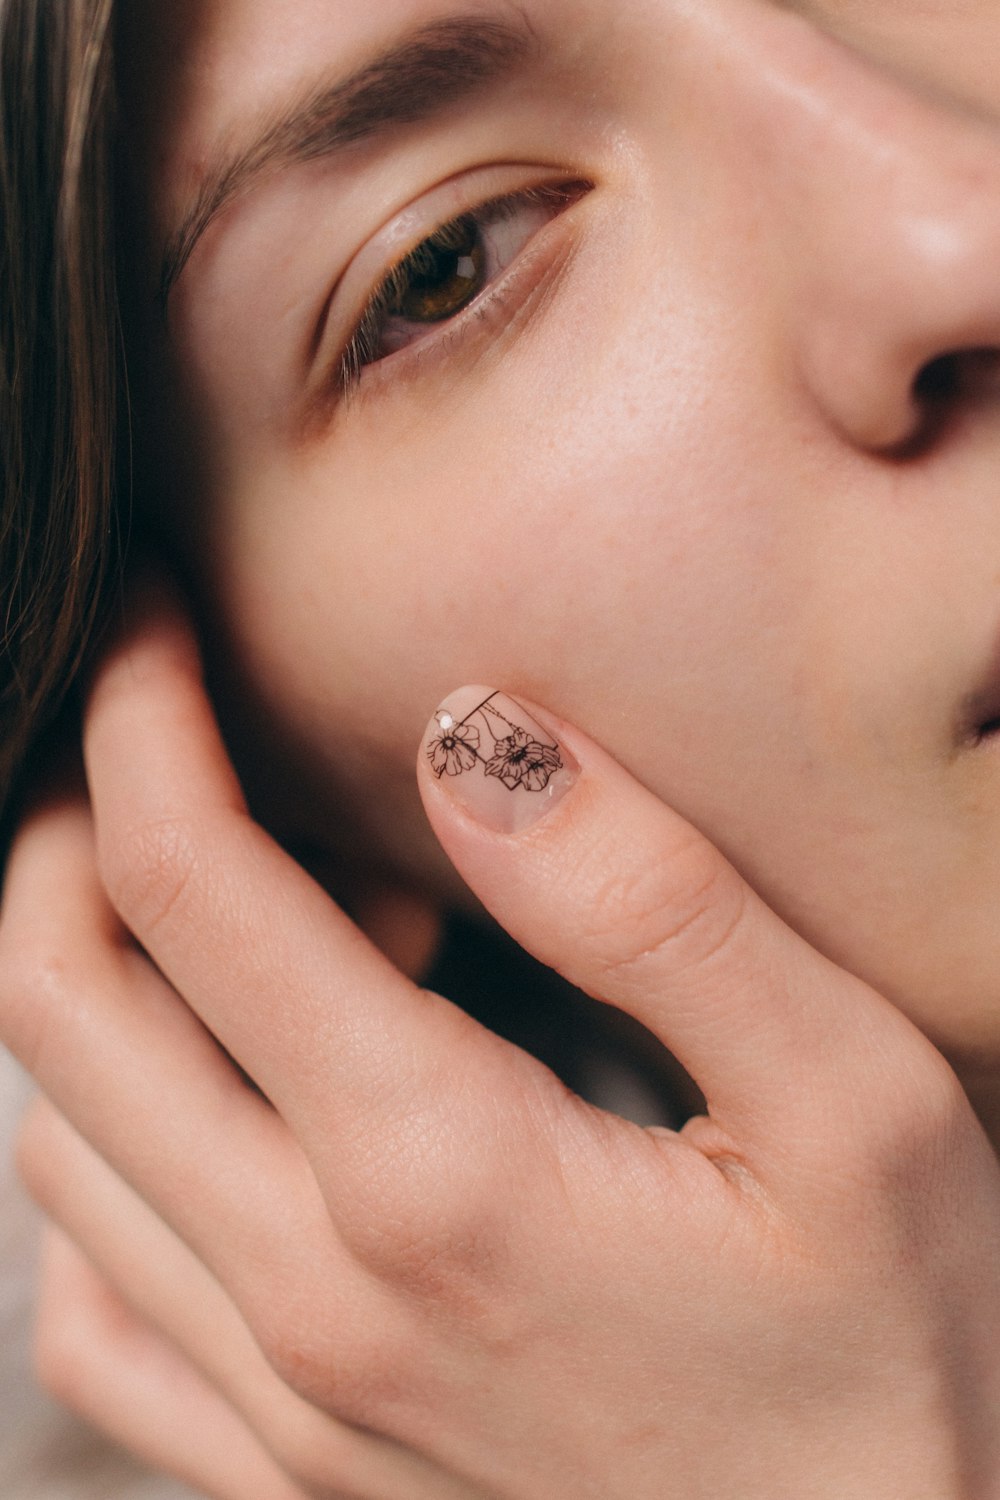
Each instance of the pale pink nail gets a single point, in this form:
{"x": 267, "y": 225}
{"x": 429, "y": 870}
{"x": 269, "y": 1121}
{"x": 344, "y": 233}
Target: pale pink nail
{"x": 496, "y": 759}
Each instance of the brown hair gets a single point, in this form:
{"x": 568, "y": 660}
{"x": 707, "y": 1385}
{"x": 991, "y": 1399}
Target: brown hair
{"x": 59, "y": 363}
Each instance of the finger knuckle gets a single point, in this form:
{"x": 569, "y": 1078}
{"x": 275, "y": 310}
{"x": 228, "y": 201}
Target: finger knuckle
{"x": 349, "y": 1362}
{"x": 294, "y": 1346}
{"x": 292, "y": 1354}
{"x": 361, "y": 1374}
{"x": 441, "y": 1262}
{"x": 686, "y": 908}
{"x": 149, "y": 868}
{"x": 889, "y": 1161}
{"x": 40, "y": 989}
{"x": 68, "y": 1337}
{"x": 436, "y": 1233}
{"x": 34, "y": 1159}
{"x": 921, "y": 1121}
{"x": 61, "y": 1363}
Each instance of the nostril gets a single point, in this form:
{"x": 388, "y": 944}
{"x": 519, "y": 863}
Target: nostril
{"x": 946, "y": 385}
{"x": 980, "y": 713}
{"x": 958, "y": 376}
{"x": 939, "y": 381}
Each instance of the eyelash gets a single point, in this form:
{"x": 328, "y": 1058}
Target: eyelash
{"x": 362, "y": 349}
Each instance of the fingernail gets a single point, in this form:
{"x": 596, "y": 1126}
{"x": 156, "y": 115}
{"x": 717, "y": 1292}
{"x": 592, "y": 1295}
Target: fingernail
{"x": 496, "y": 759}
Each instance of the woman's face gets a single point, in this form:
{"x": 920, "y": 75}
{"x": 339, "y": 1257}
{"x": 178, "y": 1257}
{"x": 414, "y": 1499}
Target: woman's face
{"x": 686, "y": 427}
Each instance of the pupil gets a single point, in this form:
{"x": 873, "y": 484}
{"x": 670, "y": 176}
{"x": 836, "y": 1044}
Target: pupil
{"x": 441, "y": 276}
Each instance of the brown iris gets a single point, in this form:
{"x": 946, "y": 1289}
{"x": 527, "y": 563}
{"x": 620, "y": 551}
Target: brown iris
{"x": 442, "y": 275}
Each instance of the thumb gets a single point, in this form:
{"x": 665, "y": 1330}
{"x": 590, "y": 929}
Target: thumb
{"x": 598, "y": 879}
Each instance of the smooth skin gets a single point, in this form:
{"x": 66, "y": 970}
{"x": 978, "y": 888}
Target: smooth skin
{"x": 716, "y": 483}
{"x": 429, "y": 1269}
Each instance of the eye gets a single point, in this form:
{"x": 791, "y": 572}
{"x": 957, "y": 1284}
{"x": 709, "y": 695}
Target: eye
{"x": 447, "y": 272}
{"x": 441, "y": 276}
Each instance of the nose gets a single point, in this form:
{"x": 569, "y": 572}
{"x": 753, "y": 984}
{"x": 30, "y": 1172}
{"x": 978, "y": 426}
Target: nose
{"x": 883, "y": 198}
{"x": 899, "y": 262}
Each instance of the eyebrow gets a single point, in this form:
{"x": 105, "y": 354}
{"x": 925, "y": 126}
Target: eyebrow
{"x": 436, "y": 66}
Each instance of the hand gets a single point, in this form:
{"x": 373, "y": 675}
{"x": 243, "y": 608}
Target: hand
{"x": 421, "y": 1267}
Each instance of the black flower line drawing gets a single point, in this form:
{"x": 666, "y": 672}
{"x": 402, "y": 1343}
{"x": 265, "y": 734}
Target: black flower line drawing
{"x": 455, "y": 749}
{"x": 518, "y": 759}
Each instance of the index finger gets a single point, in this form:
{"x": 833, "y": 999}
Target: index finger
{"x": 348, "y": 1050}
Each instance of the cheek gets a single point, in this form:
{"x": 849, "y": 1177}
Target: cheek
{"x": 578, "y": 520}
{"x": 647, "y": 570}
{"x": 585, "y": 568}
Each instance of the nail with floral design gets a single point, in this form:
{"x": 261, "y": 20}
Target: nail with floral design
{"x": 496, "y": 758}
